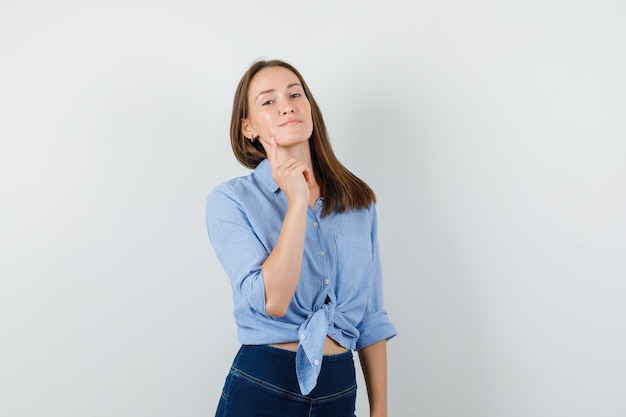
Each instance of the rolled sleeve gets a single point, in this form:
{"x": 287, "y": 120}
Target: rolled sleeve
{"x": 374, "y": 328}
{"x": 375, "y": 325}
{"x": 237, "y": 248}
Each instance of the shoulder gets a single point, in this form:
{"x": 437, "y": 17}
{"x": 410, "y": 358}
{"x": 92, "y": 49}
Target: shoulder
{"x": 228, "y": 193}
{"x": 228, "y": 187}
{"x": 243, "y": 187}
{"x": 362, "y": 213}
{"x": 224, "y": 205}
{"x": 243, "y": 192}
{"x": 222, "y": 191}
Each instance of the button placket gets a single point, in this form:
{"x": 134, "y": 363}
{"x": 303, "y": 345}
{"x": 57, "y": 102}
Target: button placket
{"x": 322, "y": 253}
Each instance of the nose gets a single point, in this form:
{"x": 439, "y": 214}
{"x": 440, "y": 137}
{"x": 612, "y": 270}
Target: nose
{"x": 287, "y": 108}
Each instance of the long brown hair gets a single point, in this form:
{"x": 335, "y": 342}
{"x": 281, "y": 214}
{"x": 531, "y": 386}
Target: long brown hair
{"x": 341, "y": 189}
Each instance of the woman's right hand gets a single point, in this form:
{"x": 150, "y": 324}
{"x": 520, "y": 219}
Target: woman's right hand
{"x": 292, "y": 176}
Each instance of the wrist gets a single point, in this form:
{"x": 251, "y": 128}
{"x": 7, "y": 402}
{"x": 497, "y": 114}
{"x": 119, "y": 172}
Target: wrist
{"x": 297, "y": 204}
{"x": 378, "y": 411}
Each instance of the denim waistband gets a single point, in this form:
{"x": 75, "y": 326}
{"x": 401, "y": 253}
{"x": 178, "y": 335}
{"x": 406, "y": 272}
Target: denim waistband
{"x": 278, "y": 367}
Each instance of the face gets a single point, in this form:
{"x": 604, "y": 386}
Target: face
{"x": 278, "y": 108}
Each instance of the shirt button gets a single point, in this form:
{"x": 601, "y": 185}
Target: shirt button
{"x": 315, "y": 224}
{"x": 326, "y": 281}
{"x": 320, "y": 253}
{"x": 321, "y": 203}
{"x": 316, "y": 362}
{"x": 302, "y": 337}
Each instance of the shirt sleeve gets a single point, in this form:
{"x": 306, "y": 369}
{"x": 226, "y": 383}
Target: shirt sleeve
{"x": 375, "y": 325}
{"x": 236, "y": 247}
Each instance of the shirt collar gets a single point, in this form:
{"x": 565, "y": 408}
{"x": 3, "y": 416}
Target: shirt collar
{"x": 263, "y": 172}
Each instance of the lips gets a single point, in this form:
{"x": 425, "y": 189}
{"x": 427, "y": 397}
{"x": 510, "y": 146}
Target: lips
{"x": 290, "y": 122}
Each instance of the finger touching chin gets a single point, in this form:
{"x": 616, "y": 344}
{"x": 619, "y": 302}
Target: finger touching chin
{"x": 267, "y": 140}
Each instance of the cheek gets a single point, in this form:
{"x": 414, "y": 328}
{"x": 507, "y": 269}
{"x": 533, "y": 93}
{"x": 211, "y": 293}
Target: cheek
{"x": 308, "y": 112}
{"x": 262, "y": 122}
{"x": 310, "y": 117}
{"x": 264, "y": 126}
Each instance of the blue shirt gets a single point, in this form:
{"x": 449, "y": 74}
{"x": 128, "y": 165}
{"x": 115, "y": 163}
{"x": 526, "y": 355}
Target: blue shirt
{"x": 339, "y": 293}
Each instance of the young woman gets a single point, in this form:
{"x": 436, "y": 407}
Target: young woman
{"x": 298, "y": 240}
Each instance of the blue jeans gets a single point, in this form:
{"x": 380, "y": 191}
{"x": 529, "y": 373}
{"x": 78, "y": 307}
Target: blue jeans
{"x": 262, "y": 383}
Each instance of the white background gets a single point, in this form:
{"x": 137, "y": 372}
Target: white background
{"x": 493, "y": 132}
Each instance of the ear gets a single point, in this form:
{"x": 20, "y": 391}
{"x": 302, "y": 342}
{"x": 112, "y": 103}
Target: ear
{"x": 246, "y": 128}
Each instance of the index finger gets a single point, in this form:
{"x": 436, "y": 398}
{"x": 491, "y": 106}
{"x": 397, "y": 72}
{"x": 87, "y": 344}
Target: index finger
{"x": 272, "y": 153}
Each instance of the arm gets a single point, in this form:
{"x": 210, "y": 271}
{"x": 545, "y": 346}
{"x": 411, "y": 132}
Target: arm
{"x": 251, "y": 261}
{"x": 281, "y": 270}
{"x": 375, "y": 329}
{"x": 374, "y": 364}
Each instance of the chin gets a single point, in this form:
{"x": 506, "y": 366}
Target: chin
{"x": 294, "y": 140}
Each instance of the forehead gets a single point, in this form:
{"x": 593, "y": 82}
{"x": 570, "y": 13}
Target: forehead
{"x": 272, "y": 78}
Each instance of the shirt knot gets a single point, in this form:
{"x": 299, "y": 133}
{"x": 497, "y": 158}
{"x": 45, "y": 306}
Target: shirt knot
{"x": 311, "y": 346}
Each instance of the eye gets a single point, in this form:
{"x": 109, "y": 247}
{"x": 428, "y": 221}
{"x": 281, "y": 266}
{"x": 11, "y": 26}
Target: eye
{"x": 267, "y": 102}
{"x": 296, "y": 95}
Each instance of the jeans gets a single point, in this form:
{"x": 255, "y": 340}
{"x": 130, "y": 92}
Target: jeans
{"x": 262, "y": 383}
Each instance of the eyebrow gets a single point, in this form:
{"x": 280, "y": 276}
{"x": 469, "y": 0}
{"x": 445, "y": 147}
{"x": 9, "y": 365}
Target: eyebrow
{"x": 271, "y": 90}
